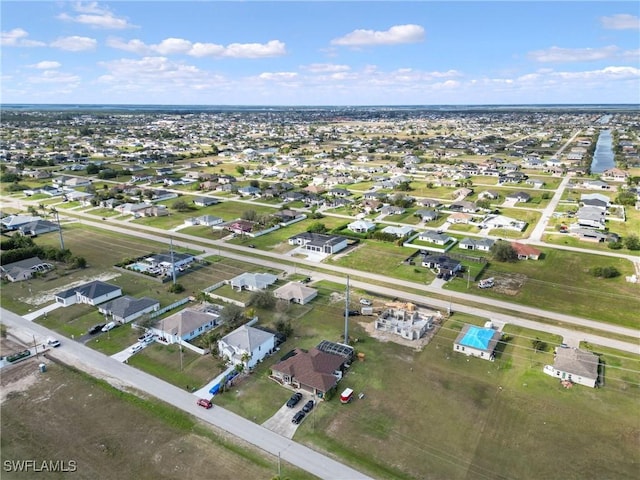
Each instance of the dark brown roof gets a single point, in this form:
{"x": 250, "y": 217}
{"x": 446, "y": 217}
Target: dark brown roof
{"x": 313, "y": 368}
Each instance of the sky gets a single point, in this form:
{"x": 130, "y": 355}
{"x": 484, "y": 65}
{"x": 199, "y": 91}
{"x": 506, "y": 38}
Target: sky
{"x": 320, "y": 52}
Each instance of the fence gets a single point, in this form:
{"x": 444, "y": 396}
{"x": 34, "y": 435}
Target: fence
{"x": 168, "y": 307}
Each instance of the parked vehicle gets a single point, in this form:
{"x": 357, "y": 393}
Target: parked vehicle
{"x": 136, "y": 348}
{"x": 148, "y": 335}
{"x": 346, "y": 395}
{"x": 364, "y": 301}
{"x": 308, "y": 406}
{"x": 293, "y": 401}
{"x": 109, "y": 326}
{"x": 17, "y": 356}
{"x": 297, "y": 418}
{"x": 53, "y": 342}
{"x": 95, "y": 328}
{"x": 203, "y": 402}
{"x": 486, "y": 283}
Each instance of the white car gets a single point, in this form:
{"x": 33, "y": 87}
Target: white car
{"x": 109, "y": 326}
{"x": 364, "y": 301}
{"x": 53, "y": 342}
{"x": 136, "y": 348}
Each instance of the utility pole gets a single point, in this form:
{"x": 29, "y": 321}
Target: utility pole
{"x": 346, "y": 314}
{"x": 173, "y": 266}
{"x": 279, "y": 471}
{"x": 468, "y": 277}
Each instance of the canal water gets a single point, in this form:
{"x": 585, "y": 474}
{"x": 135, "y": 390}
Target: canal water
{"x": 603, "y": 157}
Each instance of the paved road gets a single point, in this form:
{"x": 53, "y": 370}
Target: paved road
{"x": 538, "y": 231}
{"x": 95, "y": 363}
{"x": 272, "y": 260}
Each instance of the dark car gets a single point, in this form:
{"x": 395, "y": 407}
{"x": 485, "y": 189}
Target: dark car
{"x": 354, "y": 313}
{"x": 251, "y": 245}
{"x": 308, "y": 406}
{"x": 297, "y": 418}
{"x": 293, "y": 401}
{"x": 96, "y": 328}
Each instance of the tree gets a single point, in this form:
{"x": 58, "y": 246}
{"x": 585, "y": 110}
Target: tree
{"x": 262, "y": 299}
{"x": 626, "y": 198}
{"x": 317, "y": 227}
{"x": 176, "y": 288}
{"x": 284, "y": 327}
{"x": 93, "y": 169}
{"x": 181, "y": 206}
{"x": 232, "y": 315}
{"x": 632, "y": 242}
{"x": 538, "y": 345}
{"x": 240, "y": 169}
{"x": 211, "y": 339}
{"x": 503, "y": 252}
{"x": 249, "y": 215}
{"x": 146, "y": 321}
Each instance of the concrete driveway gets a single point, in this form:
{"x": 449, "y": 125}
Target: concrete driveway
{"x": 280, "y": 422}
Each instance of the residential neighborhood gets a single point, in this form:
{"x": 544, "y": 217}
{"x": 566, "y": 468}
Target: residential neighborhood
{"x": 265, "y": 263}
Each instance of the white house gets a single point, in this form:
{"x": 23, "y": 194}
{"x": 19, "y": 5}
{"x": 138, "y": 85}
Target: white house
{"x": 398, "y": 231}
{"x": 477, "y": 342}
{"x": 92, "y": 293}
{"x": 185, "y": 325}
{"x": 246, "y": 345}
{"x": 253, "y": 281}
{"x": 361, "y": 226}
{"x": 575, "y": 365}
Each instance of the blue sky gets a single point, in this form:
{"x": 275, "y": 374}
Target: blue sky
{"x": 320, "y": 53}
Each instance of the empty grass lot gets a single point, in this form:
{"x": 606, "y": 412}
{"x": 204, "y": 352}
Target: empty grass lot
{"x": 382, "y": 257}
{"x": 561, "y": 282}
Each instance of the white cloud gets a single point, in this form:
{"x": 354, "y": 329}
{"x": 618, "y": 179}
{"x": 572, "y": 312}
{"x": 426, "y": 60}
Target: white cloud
{"x": 46, "y": 65}
{"x": 273, "y": 48}
{"x": 179, "y": 46}
{"x": 93, "y": 15}
{"x": 557, "y": 54}
{"x": 396, "y": 35}
{"x": 621, "y": 21}
{"x": 278, "y": 76}
{"x": 74, "y": 43}
{"x": 18, "y": 38}
{"x": 326, "y": 68}
{"x": 54, "y": 77}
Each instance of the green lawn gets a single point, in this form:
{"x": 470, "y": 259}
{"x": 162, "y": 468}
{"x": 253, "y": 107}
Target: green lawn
{"x": 436, "y": 414}
{"x": 382, "y": 257}
{"x": 561, "y": 282}
{"x": 163, "y": 361}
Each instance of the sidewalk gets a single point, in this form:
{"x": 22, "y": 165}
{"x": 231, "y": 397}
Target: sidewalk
{"x": 43, "y": 311}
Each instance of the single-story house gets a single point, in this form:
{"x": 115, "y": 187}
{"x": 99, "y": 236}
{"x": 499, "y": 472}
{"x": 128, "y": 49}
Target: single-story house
{"x": 296, "y": 292}
{"x": 434, "y": 237}
{"x": 205, "y": 201}
{"x": 319, "y": 242}
{"x": 253, "y": 281}
{"x": 398, "y": 231}
{"x": 575, "y": 365}
{"x": 460, "y": 218}
{"x": 464, "y": 206}
{"x": 315, "y": 371}
{"x": 502, "y": 221}
{"x": 246, "y": 345}
{"x": 166, "y": 260}
{"x": 392, "y": 210}
{"x": 125, "y": 309}
{"x": 615, "y": 175}
{"x": 24, "y": 269}
{"x": 483, "y": 244}
{"x": 13, "y": 222}
{"x": 526, "y": 252}
{"x": 92, "y": 293}
{"x": 430, "y": 203}
{"x": 592, "y": 217}
{"x": 361, "y": 226}
{"x": 38, "y": 227}
{"x": 518, "y": 196}
{"x": 442, "y": 264}
{"x": 477, "y": 342}
{"x": 185, "y": 325}
{"x": 426, "y": 215}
